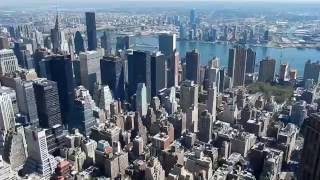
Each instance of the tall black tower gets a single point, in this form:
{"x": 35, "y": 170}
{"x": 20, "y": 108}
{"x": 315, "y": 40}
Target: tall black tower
{"x": 91, "y": 30}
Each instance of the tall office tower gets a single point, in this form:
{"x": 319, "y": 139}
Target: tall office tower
{"x": 141, "y": 99}
{"x": 112, "y": 74}
{"x": 222, "y": 75}
{"x": 189, "y": 95}
{"x": 309, "y": 164}
{"x": 39, "y": 160}
{"x": 22, "y": 54}
{"x": 251, "y": 61}
{"x": 15, "y": 152}
{"x": 47, "y": 100}
{"x": 193, "y": 17}
{"x": 60, "y": 69}
{"x": 27, "y": 102}
{"x": 78, "y": 43}
{"x": 267, "y": 70}
{"x": 237, "y": 65}
{"x": 139, "y": 71}
{"x": 105, "y": 99}
{"x": 311, "y": 70}
{"x": 212, "y": 101}
{"x": 56, "y": 36}
{"x": 83, "y": 111}
{"x": 124, "y": 42}
{"x": 4, "y": 43}
{"x": 173, "y": 69}
{"x": 158, "y": 73}
{"x": 38, "y": 56}
{"x": 205, "y": 126}
{"x": 298, "y": 113}
{"x": 212, "y": 77}
{"x": 8, "y": 61}
{"x": 167, "y": 44}
{"x": 283, "y": 72}
{"x": 266, "y": 36}
{"x": 91, "y": 30}
{"x": 7, "y": 119}
{"x": 90, "y": 69}
{"x": 193, "y": 66}
{"x": 106, "y": 42}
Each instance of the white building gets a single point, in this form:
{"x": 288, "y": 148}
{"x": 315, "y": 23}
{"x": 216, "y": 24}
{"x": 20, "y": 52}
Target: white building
{"x": 141, "y": 99}
{"x": 8, "y": 61}
{"x": 7, "y": 120}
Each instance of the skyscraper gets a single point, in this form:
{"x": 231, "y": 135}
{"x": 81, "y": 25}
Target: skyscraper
{"x": 90, "y": 69}
{"x": 237, "y": 65}
{"x": 193, "y": 17}
{"x": 205, "y": 126}
{"x": 4, "y": 43}
{"x": 139, "y": 71}
{"x": 106, "y": 42}
{"x": 251, "y": 61}
{"x": 78, "y": 43}
{"x": 47, "y": 100}
{"x": 60, "y": 69}
{"x": 193, "y": 66}
{"x": 112, "y": 74}
{"x": 283, "y": 72}
{"x": 141, "y": 99}
{"x": 39, "y": 159}
{"x": 311, "y": 70}
{"x": 91, "y": 30}
{"x": 7, "y": 119}
{"x": 8, "y": 61}
{"x": 309, "y": 165}
{"x": 267, "y": 70}
{"x": 83, "y": 111}
{"x": 56, "y": 36}
{"x": 158, "y": 73}
{"x": 189, "y": 95}
{"x": 27, "y": 102}
{"x": 167, "y": 43}
{"x": 173, "y": 69}
{"x": 212, "y": 101}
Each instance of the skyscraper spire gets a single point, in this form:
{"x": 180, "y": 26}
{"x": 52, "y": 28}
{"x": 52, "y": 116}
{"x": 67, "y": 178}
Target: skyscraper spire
{"x": 56, "y": 26}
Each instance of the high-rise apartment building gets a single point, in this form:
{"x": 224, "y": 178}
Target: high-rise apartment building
{"x": 283, "y": 72}
{"x": 251, "y": 61}
{"x": 205, "y": 126}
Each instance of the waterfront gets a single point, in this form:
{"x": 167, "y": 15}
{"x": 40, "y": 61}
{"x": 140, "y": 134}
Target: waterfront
{"x": 294, "y": 56}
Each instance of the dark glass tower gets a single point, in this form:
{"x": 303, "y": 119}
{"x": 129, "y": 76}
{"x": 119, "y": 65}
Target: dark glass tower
{"x": 106, "y": 42}
{"x": 251, "y": 61}
{"x": 47, "y": 100}
{"x": 112, "y": 74}
{"x": 61, "y": 72}
{"x": 139, "y": 71}
{"x": 193, "y": 66}
{"x": 91, "y": 30}
{"x": 78, "y": 43}
{"x": 158, "y": 73}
